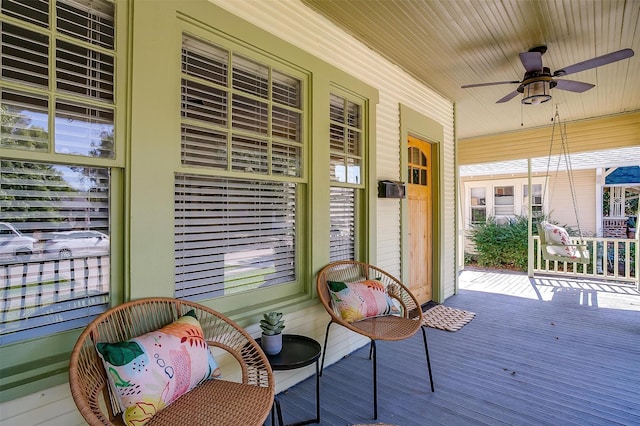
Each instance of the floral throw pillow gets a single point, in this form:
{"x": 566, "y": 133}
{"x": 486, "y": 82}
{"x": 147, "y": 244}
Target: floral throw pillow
{"x": 559, "y": 237}
{"x": 355, "y": 301}
{"x": 149, "y": 372}
{"x": 560, "y": 242}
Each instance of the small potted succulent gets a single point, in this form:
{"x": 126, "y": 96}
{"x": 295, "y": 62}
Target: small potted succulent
{"x": 272, "y": 326}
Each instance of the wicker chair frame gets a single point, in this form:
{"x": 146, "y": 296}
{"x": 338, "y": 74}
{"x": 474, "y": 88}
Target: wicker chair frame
{"x": 219, "y": 402}
{"x": 388, "y": 327}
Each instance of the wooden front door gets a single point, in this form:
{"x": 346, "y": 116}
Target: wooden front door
{"x": 420, "y": 206}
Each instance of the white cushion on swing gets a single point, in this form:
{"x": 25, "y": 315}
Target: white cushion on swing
{"x": 559, "y": 242}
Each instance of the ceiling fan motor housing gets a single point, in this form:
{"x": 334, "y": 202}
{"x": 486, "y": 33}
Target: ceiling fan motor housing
{"x": 543, "y": 75}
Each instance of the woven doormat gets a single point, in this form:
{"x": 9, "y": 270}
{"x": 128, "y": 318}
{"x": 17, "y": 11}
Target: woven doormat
{"x": 446, "y": 318}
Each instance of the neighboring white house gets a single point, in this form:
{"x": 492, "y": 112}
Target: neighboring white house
{"x": 488, "y": 191}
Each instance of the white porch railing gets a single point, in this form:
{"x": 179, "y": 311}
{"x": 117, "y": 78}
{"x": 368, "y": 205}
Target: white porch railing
{"x": 611, "y": 258}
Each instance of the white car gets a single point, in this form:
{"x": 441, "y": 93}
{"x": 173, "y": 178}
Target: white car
{"x": 14, "y": 245}
{"x": 76, "y": 243}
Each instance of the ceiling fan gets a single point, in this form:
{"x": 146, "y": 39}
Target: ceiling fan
{"x": 538, "y": 80}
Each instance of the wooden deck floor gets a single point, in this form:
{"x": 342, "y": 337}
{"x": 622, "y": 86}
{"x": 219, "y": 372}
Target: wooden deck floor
{"x": 544, "y": 351}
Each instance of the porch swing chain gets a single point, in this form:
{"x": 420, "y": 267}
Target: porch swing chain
{"x": 564, "y": 148}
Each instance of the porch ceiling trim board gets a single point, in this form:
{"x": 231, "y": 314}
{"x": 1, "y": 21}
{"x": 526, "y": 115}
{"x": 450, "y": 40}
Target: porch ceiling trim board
{"x": 587, "y": 135}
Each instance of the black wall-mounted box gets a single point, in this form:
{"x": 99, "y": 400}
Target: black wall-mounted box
{"x": 391, "y": 189}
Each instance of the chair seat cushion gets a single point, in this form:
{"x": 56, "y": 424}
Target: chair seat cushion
{"x": 362, "y": 299}
{"x": 149, "y": 372}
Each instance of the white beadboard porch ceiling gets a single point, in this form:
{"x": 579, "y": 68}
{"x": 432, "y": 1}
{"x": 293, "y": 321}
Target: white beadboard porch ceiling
{"x": 449, "y": 43}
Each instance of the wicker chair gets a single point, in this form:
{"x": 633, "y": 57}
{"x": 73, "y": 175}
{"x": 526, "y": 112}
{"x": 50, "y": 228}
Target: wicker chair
{"x": 218, "y": 401}
{"x": 388, "y": 327}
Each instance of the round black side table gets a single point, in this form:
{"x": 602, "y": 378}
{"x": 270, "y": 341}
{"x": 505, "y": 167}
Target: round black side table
{"x": 297, "y": 352}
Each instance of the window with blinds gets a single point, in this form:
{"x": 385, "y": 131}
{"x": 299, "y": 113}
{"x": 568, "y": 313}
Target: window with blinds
{"x": 240, "y": 117}
{"x": 345, "y": 140}
{"x": 238, "y": 114}
{"x": 54, "y": 247}
{"x": 232, "y": 235}
{"x": 342, "y": 235}
{"x": 80, "y": 97}
{"x": 345, "y": 162}
{"x": 56, "y": 97}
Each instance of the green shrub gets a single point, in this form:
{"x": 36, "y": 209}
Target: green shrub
{"x": 501, "y": 245}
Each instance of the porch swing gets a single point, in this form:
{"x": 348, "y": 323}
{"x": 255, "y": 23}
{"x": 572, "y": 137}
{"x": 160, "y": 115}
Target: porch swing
{"x": 555, "y": 242}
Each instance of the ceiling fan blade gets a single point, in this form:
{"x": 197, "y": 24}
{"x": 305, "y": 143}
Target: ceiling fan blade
{"x": 573, "y": 86}
{"x": 466, "y": 86}
{"x": 595, "y": 62}
{"x": 508, "y": 97}
{"x": 532, "y": 61}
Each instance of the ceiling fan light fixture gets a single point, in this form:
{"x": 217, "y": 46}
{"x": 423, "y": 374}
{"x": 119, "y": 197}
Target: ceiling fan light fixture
{"x": 536, "y": 92}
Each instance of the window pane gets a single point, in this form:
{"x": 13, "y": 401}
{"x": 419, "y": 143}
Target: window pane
{"x": 478, "y": 215}
{"x": 336, "y": 109}
{"x": 204, "y": 103}
{"x": 336, "y": 138}
{"x": 353, "y": 114}
{"x": 338, "y": 170}
{"x": 353, "y": 142}
{"x": 249, "y": 155}
{"x": 54, "y": 248}
{"x": 342, "y": 228}
{"x": 286, "y": 90}
{"x": 84, "y": 72}
{"x": 84, "y": 130}
{"x": 92, "y": 22}
{"x": 250, "y": 77}
{"x": 232, "y": 235}
{"x": 25, "y": 55}
{"x": 286, "y": 124}
{"x": 249, "y": 115}
{"x": 286, "y": 160}
{"x": 205, "y": 61}
{"x": 415, "y": 176}
{"x": 204, "y": 148}
{"x": 32, "y": 11}
{"x": 503, "y": 195}
{"x": 478, "y": 196}
{"x": 25, "y": 121}
{"x": 353, "y": 171}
